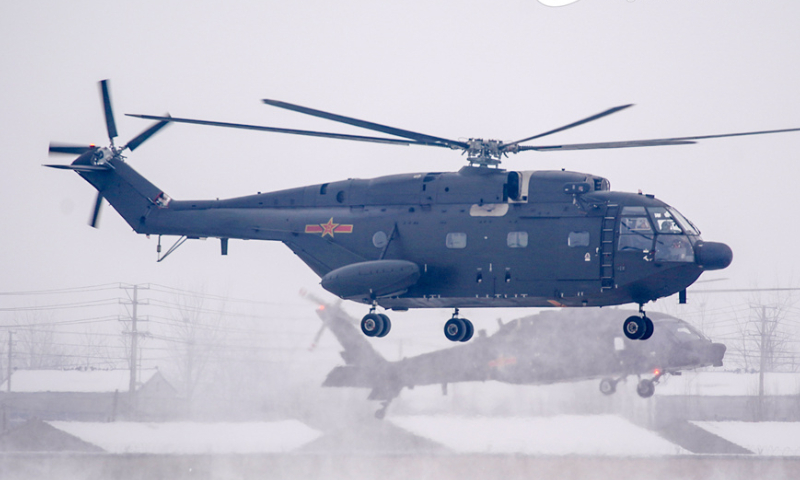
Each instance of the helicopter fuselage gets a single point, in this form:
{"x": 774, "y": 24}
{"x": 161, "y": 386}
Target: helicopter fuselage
{"x": 479, "y": 237}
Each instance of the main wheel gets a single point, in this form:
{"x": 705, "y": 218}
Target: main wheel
{"x": 470, "y": 330}
{"x": 634, "y": 327}
{"x": 646, "y": 388}
{"x": 387, "y": 325}
{"x": 372, "y": 324}
{"x": 455, "y": 329}
{"x": 648, "y": 329}
{"x": 608, "y": 386}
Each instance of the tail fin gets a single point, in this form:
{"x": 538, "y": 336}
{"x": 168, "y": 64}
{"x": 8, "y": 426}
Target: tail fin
{"x": 131, "y": 195}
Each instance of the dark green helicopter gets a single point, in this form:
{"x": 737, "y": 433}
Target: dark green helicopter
{"x": 479, "y": 237}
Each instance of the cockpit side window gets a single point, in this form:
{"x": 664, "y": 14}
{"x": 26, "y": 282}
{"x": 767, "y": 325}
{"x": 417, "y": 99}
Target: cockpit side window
{"x": 635, "y": 233}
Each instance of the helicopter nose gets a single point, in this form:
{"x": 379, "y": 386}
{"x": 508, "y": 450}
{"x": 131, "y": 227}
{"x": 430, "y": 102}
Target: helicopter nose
{"x": 713, "y": 255}
{"x": 716, "y": 353}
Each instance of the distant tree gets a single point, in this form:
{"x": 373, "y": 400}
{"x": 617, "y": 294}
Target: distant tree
{"x": 36, "y": 342}
{"x": 195, "y": 334}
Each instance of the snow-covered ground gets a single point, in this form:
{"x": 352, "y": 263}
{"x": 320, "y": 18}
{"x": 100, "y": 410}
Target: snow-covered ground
{"x": 75, "y": 381}
{"x": 729, "y": 384}
{"x": 761, "y": 438}
{"x": 192, "y": 438}
{"x": 558, "y": 435}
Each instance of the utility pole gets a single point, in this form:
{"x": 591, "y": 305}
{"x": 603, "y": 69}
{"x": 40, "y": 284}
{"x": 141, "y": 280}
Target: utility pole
{"x": 763, "y": 349}
{"x": 8, "y": 373}
{"x": 134, "y": 360}
{"x": 134, "y": 341}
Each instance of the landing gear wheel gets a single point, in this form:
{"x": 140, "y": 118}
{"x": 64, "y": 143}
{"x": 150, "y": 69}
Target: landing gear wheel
{"x": 470, "y": 330}
{"x": 372, "y": 324}
{"x": 455, "y": 329}
{"x": 387, "y": 325}
{"x": 648, "y": 330}
{"x": 634, "y": 327}
{"x": 608, "y": 386}
{"x": 646, "y": 388}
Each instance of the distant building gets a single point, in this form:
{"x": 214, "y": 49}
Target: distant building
{"x": 727, "y": 396}
{"x": 87, "y": 395}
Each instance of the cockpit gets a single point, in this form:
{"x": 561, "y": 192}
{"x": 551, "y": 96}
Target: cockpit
{"x": 661, "y": 232}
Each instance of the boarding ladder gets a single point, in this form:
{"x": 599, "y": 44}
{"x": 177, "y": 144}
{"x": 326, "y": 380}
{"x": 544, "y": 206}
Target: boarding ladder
{"x": 607, "y": 247}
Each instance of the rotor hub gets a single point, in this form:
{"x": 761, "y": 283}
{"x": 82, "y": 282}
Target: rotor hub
{"x": 484, "y": 153}
{"x": 104, "y": 155}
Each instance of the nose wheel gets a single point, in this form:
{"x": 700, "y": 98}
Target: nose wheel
{"x": 458, "y": 329}
{"x": 638, "y": 327}
{"x": 646, "y": 388}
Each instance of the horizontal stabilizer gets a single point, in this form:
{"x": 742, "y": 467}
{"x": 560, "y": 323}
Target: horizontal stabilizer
{"x": 384, "y": 386}
{"x": 350, "y": 376}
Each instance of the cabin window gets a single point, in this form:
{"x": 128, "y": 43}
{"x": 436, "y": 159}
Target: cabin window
{"x": 578, "y": 239}
{"x": 340, "y": 196}
{"x": 517, "y": 239}
{"x": 323, "y": 189}
{"x": 456, "y": 240}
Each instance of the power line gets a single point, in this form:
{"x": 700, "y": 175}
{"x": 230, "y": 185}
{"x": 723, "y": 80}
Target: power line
{"x": 165, "y": 289}
{"x": 88, "y": 304}
{"x": 90, "y": 288}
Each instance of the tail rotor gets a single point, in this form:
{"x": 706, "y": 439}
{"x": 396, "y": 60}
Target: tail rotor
{"x": 92, "y": 158}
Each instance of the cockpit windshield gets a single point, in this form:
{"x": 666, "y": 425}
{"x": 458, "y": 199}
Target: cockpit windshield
{"x": 670, "y": 221}
{"x": 665, "y": 222}
{"x": 685, "y": 332}
{"x": 687, "y": 226}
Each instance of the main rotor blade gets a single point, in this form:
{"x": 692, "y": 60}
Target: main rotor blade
{"x": 601, "y": 145}
{"x": 419, "y": 137}
{"x": 69, "y": 149}
{"x": 111, "y": 126}
{"x": 81, "y": 168}
{"x": 98, "y": 202}
{"x": 574, "y": 124}
{"x": 308, "y": 133}
{"x": 652, "y": 142}
{"x": 142, "y": 137}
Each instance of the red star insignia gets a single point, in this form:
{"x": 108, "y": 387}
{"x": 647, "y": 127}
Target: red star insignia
{"x": 328, "y": 228}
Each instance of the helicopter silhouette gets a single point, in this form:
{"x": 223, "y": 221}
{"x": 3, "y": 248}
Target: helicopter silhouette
{"x": 523, "y": 352}
{"x": 478, "y": 237}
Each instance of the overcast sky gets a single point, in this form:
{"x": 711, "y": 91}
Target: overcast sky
{"x": 503, "y": 69}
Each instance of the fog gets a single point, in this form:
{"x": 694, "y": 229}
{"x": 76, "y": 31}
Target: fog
{"x": 231, "y": 335}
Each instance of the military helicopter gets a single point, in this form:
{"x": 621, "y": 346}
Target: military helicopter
{"x": 478, "y": 237}
{"x": 522, "y": 352}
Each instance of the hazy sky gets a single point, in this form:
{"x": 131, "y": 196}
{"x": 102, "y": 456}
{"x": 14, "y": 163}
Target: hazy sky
{"x": 502, "y": 69}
